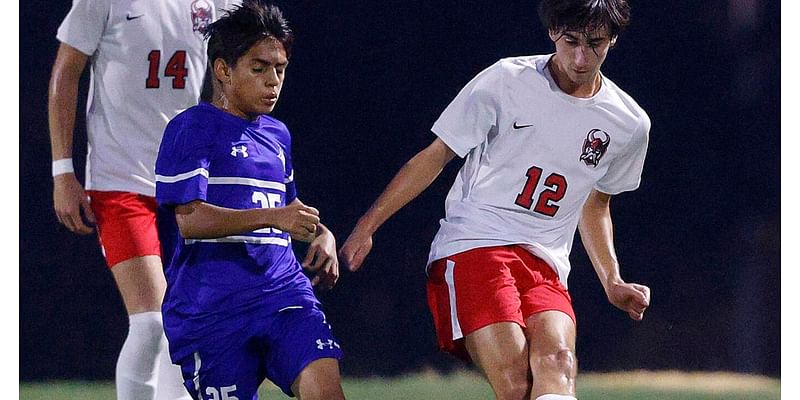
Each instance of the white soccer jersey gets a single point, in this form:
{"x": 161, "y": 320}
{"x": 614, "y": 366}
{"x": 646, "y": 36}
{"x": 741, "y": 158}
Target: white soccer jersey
{"x": 148, "y": 58}
{"x": 533, "y": 155}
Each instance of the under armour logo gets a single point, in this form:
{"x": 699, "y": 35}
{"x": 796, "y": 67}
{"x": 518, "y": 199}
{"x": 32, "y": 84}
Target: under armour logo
{"x": 328, "y": 343}
{"x": 236, "y": 150}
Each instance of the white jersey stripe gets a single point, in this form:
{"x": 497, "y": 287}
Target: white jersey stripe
{"x": 242, "y": 239}
{"x": 451, "y": 290}
{"x": 183, "y": 176}
{"x": 222, "y": 180}
{"x": 196, "y": 374}
{"x": 232, "y": 180}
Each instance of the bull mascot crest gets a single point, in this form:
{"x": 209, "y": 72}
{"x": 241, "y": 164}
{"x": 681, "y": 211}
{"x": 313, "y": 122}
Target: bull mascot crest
{"x": 594, "y": 147}
{"x": 201, "y": 16}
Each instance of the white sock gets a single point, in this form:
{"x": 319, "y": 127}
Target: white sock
{"x": 170, "y": 380}
{"x": 556, "y": 397}
{"x": 137, "y": 366}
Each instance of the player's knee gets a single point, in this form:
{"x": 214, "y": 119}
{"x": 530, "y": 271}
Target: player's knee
{"x": 561, "y": 362}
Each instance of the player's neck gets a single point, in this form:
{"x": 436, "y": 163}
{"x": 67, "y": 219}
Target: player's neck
{"x": 222, "y": 103}
{"x": 570, "y": 87}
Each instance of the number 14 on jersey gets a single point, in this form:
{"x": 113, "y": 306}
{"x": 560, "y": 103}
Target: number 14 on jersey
{"x": 176, "y": 68}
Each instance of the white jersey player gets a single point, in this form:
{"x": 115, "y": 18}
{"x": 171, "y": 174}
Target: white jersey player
{"x": 147, "y": 61}
{"x": 533, "y": 155}
{"x": 548, "y": 140}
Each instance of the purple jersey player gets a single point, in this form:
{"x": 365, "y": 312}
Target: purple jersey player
{"x": 238, "y": 307}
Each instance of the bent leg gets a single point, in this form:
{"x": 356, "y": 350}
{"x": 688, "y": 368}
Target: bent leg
{"x": 320, "y": 380}
{"x": 551, "y": 336}
{"x": 500, "y": 350}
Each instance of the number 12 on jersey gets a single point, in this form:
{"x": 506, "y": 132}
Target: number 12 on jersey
{"x": 555, "y": 189}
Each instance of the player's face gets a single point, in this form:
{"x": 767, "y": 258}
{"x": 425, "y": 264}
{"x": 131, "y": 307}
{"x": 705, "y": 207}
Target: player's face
{"x": 579, "y": 55}
{"x": 256, "y": 79}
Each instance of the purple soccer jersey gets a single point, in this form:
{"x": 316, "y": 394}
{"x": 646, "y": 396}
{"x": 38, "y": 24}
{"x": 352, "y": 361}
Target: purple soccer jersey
{"x": 217, "y": 289}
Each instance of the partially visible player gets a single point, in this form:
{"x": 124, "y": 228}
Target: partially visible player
{"x": 147, "y": 61}
{"x": 238, "y": 307}
{"x": 548, "y": 139}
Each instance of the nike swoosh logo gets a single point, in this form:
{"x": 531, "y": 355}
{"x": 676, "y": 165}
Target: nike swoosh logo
{"x": 129, "y": 18}
{"x": 521, "y": 126}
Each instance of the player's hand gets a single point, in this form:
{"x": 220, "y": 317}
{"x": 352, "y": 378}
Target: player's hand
{"x": 321, "y": 259}
{"x": 69, "y": 199}
{"x": 299, "y": 220}
{"x": 631, "y": 298}
{"x": 355, "y": 249}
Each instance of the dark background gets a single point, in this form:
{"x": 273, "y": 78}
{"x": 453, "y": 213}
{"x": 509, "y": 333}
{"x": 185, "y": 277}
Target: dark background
{"x": 366, "y": 82}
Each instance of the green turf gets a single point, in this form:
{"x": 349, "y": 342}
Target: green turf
{"x": 460, "y": 386}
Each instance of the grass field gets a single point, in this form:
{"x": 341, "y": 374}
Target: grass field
{"x": 468, "y": 386}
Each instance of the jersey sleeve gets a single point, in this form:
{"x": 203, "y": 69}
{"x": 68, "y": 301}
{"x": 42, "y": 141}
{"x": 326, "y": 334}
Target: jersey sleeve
{"x": 625, "y": 172}
{"x": 183, "y": 163}
{"x": 84, "y": 25}
{"x": 288, "y": 179}
{"x": 467, "y": 120}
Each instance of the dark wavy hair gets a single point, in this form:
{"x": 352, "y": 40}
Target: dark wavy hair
{"x": 582, "y": 15}
{"x": 239, "y": 29}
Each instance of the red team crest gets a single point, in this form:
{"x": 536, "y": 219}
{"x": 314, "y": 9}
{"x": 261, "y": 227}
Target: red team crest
{"x": 594, "y": 147}
{"x": 201, "y": 16}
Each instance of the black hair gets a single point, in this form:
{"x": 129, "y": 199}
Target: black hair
{"x": 239, "y": 29}
{"x": 583, "y": 15}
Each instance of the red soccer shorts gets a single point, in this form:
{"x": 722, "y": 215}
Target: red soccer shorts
{"x": 126, "y": 225}
{"x": 479, "y": 287}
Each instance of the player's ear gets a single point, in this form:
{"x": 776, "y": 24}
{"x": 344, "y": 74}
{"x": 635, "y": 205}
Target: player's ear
{"x": 613, "y": 40}
{"x": 222, "y": 71}
{"x": 554, "y": 35}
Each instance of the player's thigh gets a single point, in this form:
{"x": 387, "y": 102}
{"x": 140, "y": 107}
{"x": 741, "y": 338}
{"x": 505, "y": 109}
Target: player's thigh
{"x": 500, "y": 350}
{"x": 141, "y": 283}
{"x": 294, "y": 339}
{"x": 319, "y": 380}
{"x": 551, "y": 330}
{"x": 222, "y": 368}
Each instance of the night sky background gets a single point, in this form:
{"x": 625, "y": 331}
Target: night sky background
{"x": 367, "y": 80}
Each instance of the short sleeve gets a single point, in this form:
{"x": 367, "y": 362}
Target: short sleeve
{"x": 625, "y": 172}
{"x": 84, "y": 25}
{"x": 183, "y": 162}
{"x": 467, "y": 120}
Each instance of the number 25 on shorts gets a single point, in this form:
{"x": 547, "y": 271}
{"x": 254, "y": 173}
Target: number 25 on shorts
{"x": 224, "y": 393}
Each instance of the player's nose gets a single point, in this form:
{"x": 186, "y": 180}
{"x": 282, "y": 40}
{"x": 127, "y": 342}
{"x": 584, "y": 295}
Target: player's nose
{"x": 580, "y": 57}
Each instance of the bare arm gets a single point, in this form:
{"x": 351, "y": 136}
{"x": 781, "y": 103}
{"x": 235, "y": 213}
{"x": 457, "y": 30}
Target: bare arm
{"x": 201, "y": 220}
{"x": 414, "y": 177}
{"x": 597, "y": 234}
{"x": 69, "y": 197}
